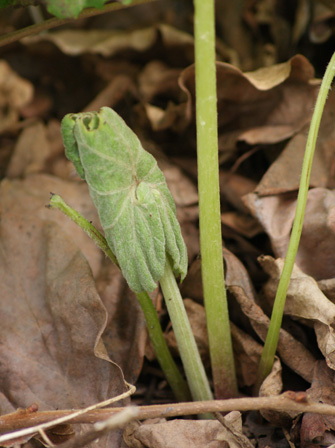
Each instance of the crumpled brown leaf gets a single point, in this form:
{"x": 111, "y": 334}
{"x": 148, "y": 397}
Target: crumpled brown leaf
{"x": 305, "y": 300}
{"x": 185, "y": 433}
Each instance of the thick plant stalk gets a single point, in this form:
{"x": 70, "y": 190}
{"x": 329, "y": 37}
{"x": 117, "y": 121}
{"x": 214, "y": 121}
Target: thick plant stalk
{"x": 194, "y": 369}
{"x": 271, "y": 341}
{"x": 171, "y": 372}
{"x": 218, "y": 327}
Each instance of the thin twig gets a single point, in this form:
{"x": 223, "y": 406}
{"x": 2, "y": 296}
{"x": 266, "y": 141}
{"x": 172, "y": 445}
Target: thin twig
{"x": 288, "y": 401}
{"x": 117, "y": 421}
{"x": 57, "y": 420}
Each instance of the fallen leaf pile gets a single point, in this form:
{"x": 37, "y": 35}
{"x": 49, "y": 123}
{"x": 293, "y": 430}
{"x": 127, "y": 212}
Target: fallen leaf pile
{"x": 72, "y": 333}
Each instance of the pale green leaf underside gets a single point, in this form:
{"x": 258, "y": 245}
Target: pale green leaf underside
{"x": 135, "y": 206}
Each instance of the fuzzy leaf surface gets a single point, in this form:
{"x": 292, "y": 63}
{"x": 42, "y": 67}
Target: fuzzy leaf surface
{"x": 135, "y": 206}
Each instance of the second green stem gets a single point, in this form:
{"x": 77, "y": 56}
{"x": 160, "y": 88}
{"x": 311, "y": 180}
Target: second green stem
{"x": 194, "y": 369}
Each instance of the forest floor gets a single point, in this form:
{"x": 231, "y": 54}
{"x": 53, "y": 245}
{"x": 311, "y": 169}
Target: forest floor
{"x": 72, "y": 333}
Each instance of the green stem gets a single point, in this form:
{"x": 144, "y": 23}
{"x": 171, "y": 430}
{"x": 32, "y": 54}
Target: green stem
{"x": 215, "y": 298}
{"x": 171, "y": 372}
{"x": 16, "y": 35}
{"x": 271, "y": 341}
{"x": 194, "y": 369}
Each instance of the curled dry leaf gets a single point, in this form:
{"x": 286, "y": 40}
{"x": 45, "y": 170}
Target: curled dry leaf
{"x": 266, "y": 106}
{"x": 305, "y": 301}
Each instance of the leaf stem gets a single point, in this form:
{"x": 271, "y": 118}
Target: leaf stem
{"x": 215, "y": 298}
{"x": 171, "y": 371}
{"x": 271, "y": 341}
{"x": 16, "y": 35}
{"x": 194, "y": 369}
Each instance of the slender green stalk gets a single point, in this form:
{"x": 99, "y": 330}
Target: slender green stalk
{"x": 30, "y": 30}
{"x": 271, "y": 341}
{"x": 171, "y": 372}
{"x": 218, "y": 327}
{"x": 194, "y": 369}
{"x": 57, "y": 202}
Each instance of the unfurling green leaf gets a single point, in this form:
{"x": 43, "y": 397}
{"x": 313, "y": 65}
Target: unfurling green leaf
{"x": 136, "y": 209}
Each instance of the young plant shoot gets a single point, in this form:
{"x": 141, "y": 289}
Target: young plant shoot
{"x": 138, "y": 215}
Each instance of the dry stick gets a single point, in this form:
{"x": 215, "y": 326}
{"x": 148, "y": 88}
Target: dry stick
{"x": 100, "y": 429}
{"x": 16, "y": 35}
{"x": 288, "y": 401}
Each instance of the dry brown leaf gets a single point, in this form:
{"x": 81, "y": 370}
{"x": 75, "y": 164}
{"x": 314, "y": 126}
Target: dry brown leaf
{"x": 292, "y": 352}
{"x": 320, "y": 29}
{"x": 112, "y": 42}
{"x": 187, "y": 433}
{"x": 247, "y": 353}
{"x": 272, "y": 386}
{"x": 15, "y": 92}
{"x": 305, "y": 300}
{"x": 233, "y": 187}
{"x": 192, "y": 285}
{"x": 156, "y": 80}
{"x": 284, "y": 174}
{"x": 52, "y": 323}
{"x": 31, "y": 151}
{"x": 319, "y": 430}
{"x": 276, "y": 214}
{"x": 52, "y": 351}
{"x": 245, "y": 225}
{"x": 104, "y": 42}
{"x": 265, "y": 106}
